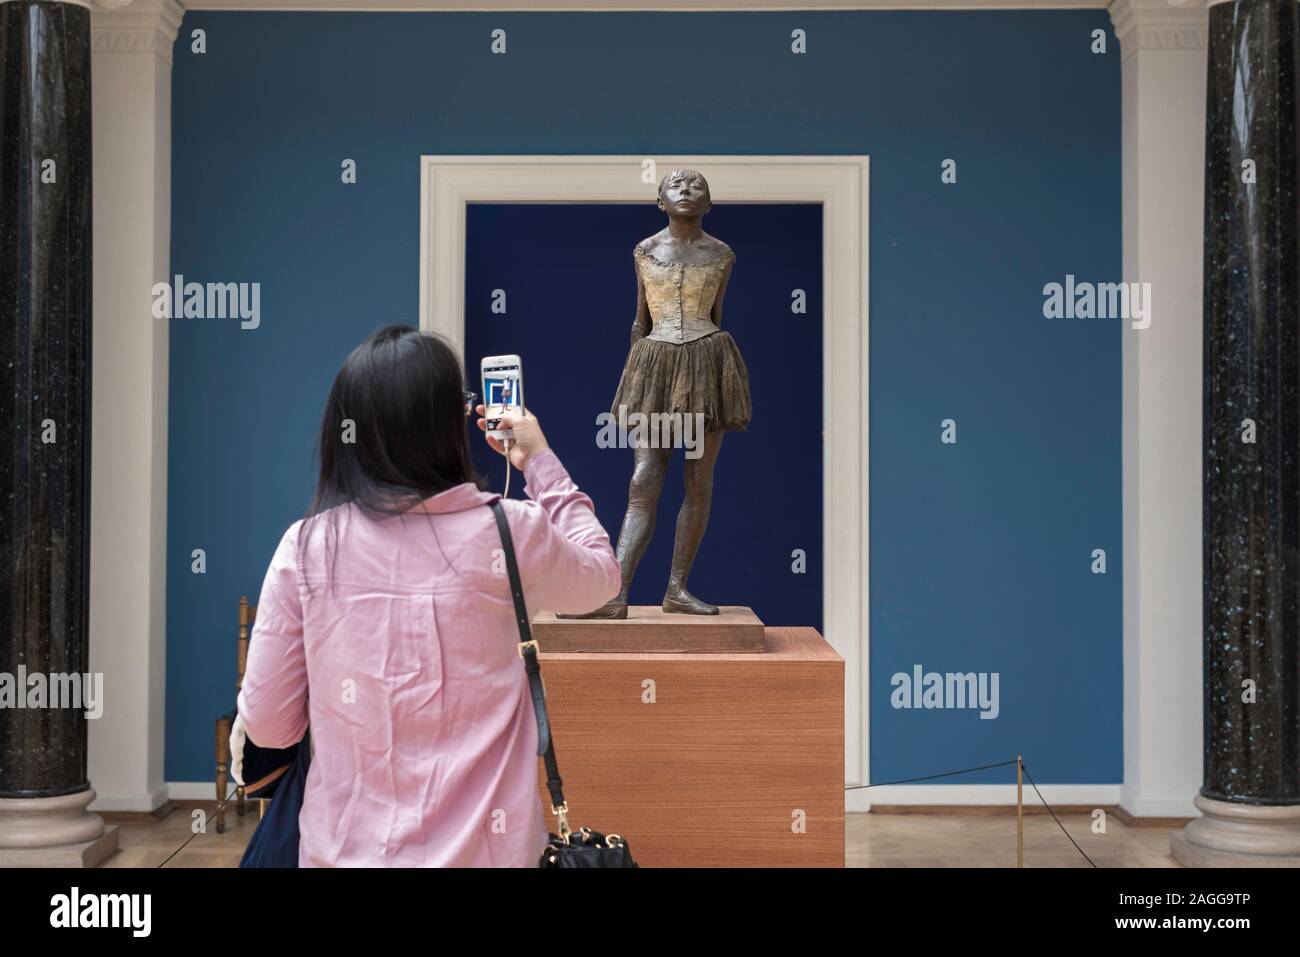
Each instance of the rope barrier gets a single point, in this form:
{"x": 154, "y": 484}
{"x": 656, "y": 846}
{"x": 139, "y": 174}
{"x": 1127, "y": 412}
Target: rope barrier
{"x": 984, "y": 767}
{"x": 1025, "y": 768}
{"x": 930, "y": 777}
{"x": 218, "y": 810}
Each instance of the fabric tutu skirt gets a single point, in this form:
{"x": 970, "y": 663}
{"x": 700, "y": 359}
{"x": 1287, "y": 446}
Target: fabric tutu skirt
{"x": 704, "y": 375}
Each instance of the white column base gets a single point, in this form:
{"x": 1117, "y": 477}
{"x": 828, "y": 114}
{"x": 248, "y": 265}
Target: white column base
{"x": 54, "y": 832}
{"x": 1239, "y": 835}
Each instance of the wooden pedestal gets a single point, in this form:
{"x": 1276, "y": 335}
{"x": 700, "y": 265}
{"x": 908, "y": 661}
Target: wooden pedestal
{"x": 648, "y": 628}
{"x": 705, "y": 759}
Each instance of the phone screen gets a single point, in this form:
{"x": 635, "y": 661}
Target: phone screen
{"x": 503, "y": 389}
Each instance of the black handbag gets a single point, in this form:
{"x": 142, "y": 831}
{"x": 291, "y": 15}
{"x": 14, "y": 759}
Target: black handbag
{"x": 585, "y": 847}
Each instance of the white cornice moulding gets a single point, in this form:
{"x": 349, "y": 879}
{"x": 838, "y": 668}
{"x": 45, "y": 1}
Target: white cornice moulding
{"x": 146, "y": 26}
{"x": 609, "y": 6}
{"x": 95, "y": 5}
{"x": 601, "y": 6}
{"x": 1160, "y": 24}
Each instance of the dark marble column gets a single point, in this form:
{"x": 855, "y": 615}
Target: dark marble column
{"x": 45, "y": 299}
{"x": 1251, "y": 519}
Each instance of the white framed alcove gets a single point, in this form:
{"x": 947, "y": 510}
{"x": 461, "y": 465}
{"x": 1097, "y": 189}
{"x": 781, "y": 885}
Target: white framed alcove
{"x": 839, "y": 184}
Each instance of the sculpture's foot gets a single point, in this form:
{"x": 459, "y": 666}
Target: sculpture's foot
{"x": 680, "y": 601}
{"x": 614, "y": 609}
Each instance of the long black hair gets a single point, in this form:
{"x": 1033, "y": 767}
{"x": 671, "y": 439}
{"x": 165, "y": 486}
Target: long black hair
{"x": 394, "y": 430}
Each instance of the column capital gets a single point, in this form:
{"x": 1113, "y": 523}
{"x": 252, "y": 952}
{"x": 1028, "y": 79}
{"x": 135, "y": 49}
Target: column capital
{"x": 1160, "y": 24}
{"x": 135, "y": 26}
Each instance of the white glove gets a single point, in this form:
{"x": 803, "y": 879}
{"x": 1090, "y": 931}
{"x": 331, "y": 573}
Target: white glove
{"x": 238, "y": 735}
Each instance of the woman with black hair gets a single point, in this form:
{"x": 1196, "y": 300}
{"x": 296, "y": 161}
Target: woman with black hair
{"x": 386, "y": 622}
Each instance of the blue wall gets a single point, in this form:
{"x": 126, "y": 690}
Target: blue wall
{"x": 980, "y": 551}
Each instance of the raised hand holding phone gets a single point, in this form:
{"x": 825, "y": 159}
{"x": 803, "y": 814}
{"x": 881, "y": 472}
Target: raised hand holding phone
{"x": 526, "y": 438}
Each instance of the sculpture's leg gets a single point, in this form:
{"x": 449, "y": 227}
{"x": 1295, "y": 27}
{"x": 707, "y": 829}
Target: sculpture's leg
{"x": 691, "y": 522}
{"x": 638, "y": 525}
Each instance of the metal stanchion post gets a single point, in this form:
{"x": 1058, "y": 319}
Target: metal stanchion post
{"x": 1020, "y": 812}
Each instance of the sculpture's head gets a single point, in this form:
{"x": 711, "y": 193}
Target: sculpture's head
{"x": 684, "y": 192}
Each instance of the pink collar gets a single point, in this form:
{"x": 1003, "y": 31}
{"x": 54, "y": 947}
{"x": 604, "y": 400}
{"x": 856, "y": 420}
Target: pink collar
{"x": 458, "y": 498}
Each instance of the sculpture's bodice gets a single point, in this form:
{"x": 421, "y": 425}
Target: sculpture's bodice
{"x": 680, "y": 295}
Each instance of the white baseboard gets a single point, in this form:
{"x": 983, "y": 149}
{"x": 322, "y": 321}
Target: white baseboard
{"x": 1091, "y": 795}
{"x": 144, "y": 801}
{"x": 1163, "y": 805}
{"x": 195, "y": 790}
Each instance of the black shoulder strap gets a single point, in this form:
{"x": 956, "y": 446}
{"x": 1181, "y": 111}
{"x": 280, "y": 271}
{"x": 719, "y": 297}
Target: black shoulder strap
{"x": 528, "y": 651}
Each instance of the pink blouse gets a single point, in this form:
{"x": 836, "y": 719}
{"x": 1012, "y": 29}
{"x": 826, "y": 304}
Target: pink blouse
{"x": 408, "y": 671}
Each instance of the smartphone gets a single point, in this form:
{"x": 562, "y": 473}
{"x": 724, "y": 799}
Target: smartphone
{"x": 503, "y": 390}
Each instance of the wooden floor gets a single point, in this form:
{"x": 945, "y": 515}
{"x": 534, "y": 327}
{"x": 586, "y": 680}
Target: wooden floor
{"x": 975, "y": 839}
{"x": 163, "y": 843}
{"x": 872, "y": 840}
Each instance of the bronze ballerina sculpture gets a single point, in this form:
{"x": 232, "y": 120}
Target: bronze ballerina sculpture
{"x": 680, "y": 363}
